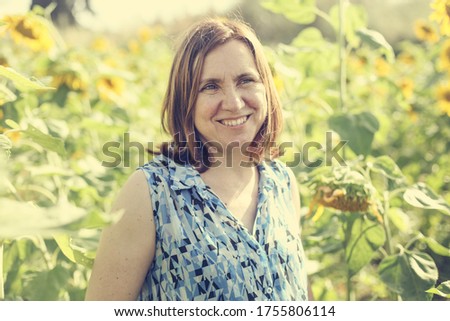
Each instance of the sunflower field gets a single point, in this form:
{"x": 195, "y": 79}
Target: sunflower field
{"x": 75, "y": 122}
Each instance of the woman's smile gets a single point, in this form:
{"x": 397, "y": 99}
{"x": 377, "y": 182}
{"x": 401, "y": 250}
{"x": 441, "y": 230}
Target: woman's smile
{"x": 235, "y": 122}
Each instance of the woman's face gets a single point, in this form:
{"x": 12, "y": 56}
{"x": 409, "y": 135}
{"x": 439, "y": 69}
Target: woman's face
{"x": 231, "y": 105}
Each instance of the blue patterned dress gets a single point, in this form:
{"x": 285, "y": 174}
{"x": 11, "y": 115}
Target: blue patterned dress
{"x": 204, "y": 253}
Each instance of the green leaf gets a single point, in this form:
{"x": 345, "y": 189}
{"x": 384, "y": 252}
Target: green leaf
{"x": 310, "y": 38}
{"x": 442, "y": 290}
{"x": 300, "y": 11}
{"x": 421, "y": 196}
{"x": 12, "y": 124}
{"x": 48, "y": 142}
{"x": 22, "y": 83}
{"x": 366, "y": 237}
{"x": 5, "y": 144}
{"x": 400, "y": 219}
{"x": 377, "y": 41}
{"x": 19, "y": 218}
{"x": 386, "y": 166}
{"x": 74, "y": 253}
{"x": 436, "y": 247}
{"x": 358, "y": 129}
{"x": 410, "y": 274}
{"x": 46, "y": 285}
{"x": 6, "y": 95}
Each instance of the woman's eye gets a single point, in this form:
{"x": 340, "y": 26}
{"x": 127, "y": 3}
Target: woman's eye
{"x": 209, "y": 87}
{"x": 246, "y": 80}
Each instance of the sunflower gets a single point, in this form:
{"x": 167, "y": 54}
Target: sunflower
{"x": 441, "y": 14}
{"x": 443, "y": 96}
{"x": 406, "y": 58}
{"x": 412, "y": 113}
{"x": 72, "y": 80}
{"x": 110, "y": 88}
{"x": 425, "y": 32}
{"x": 145, "y": 34}
{"x": 382, "y": 68}
{"x": 406, "y": 86}
{"x": 30, "y": 30}
{"x": 444, "y": 59}
{"x": 343, "y": 189}
{"x": 4, "y": 61}
{"x": 133, "y": 46}
{"x": 101, "y": 44}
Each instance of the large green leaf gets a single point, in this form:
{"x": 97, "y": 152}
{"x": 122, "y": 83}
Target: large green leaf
{"x": 23, "y": 83}
{"x": 442, "y": 290}
{"x": 300, "y": 11}
{"x": 420, "y": 195}
{"x": 20, "y": 218}
{"x": 365, "y": 238}
{"x": 386, "y": 165}
{"x": 410, "y": 274}
{"x": 358, "y": 129}
{"x": 436, "y": 247}
{"x": 377, "y": 41}
{"x": 385, "y": 173}
{"x": 48, "y": 142}
{"x": 46, "y": 285}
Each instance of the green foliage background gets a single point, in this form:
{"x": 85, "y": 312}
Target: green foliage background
{"x": 60, "y": 104}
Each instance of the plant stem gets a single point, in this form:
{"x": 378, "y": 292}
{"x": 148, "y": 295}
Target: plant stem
{"x": 387, "y": 229}
{"x": 342, "y": 55}
{"x": 323, "y": 15}
{"x": 349, "y": 286}
{"x": 2, "y": 291}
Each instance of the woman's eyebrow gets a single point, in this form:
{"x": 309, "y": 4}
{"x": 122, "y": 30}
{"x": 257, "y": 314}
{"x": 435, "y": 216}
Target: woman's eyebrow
{"x": 210, "y": 80}
{"x": 219, "y": 80}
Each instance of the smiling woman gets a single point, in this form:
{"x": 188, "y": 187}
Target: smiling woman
{"x": 197, "y": 228}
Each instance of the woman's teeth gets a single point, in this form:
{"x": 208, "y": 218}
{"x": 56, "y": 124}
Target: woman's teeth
{"x": 234, "y": 122}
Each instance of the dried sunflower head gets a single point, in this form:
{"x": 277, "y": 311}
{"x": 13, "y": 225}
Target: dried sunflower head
{"x": 344, "y": 189}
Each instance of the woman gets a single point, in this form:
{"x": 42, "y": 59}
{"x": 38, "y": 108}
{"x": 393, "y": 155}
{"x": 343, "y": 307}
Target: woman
{"x": 212, "y": 217}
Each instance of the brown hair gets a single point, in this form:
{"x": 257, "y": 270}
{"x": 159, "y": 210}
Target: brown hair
{"x": 182, "y": 90}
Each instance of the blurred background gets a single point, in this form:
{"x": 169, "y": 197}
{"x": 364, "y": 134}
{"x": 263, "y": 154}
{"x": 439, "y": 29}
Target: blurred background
{"x": 393, "y": 18}
{"x": 81, "y": 88}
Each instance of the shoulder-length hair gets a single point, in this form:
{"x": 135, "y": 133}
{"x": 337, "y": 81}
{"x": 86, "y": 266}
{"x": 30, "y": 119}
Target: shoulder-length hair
{"x": 183, "y": 88}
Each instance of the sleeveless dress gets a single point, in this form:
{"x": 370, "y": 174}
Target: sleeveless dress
{"x": 204, "y": 253}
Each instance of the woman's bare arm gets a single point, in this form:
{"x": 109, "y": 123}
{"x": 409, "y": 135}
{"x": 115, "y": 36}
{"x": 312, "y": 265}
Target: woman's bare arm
{"x": 126, "y": 248}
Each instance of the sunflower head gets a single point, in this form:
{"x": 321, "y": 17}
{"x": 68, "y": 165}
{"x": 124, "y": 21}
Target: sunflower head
{"x": 110, "y": 88}
{"x": 382, "y": 68}
{"x": 30, "y": 30}
{"x": 406, "y": 86}
{"x": 101, "y": 44}
{"x": 443, "y": 98}
{"x": 425, "y": 31}
{"x": 441, "y": 14}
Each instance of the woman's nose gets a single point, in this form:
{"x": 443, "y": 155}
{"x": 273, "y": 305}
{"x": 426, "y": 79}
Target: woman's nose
{"x": 232, "y": 100}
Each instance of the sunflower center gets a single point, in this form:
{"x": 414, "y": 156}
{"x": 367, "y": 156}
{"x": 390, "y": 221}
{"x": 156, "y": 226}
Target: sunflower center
{"x": 447, "y": 9}
{"x": 447, "y": 53}
{"x": 446, "y": 96}
{"x": 25, "y": 31}
{"x": 427, "y": 30}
